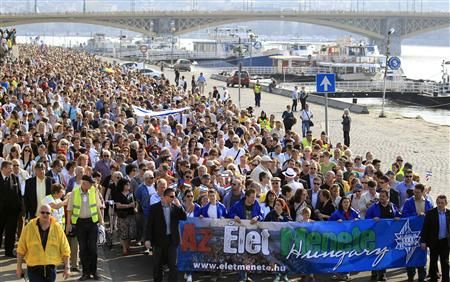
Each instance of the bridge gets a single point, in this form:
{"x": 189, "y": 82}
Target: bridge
{"x": 373, "y": 25}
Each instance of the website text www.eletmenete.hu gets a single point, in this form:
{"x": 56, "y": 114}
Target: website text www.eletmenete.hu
{"x": 238, "y": 267}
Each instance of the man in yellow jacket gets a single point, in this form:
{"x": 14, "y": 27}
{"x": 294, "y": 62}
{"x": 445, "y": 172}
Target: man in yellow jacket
{"x": 43, "y": 245}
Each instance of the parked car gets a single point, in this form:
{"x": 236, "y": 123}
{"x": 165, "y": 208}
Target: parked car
{"x": 151, "y": 72}
{"x": 234, "y": 79}
{"x": 182, "y": 65}
{"x": 130, "y": 65}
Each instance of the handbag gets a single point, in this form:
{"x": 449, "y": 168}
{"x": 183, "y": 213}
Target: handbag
{"x": 311, "y": 124}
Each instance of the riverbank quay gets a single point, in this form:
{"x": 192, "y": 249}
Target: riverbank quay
{"x": 313, "y": 98}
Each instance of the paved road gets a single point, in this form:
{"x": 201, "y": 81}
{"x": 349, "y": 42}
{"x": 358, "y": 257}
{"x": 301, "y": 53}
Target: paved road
{"x": 425, "y": 145}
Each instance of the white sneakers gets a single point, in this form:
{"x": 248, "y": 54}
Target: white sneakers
{"x": 188, "y": 277}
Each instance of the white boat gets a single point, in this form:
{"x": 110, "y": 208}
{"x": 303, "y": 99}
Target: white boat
{"x": 351, "y": 61}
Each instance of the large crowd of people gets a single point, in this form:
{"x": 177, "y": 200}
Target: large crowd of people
{"x": 73, "y": 146}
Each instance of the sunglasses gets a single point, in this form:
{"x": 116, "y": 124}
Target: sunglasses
{"x": 188, "y": 177}
{"x": 43, "y": 212}
{"x": 316, "y": 183}
{"x": 189, "y": 196}
{"x": 408, "y": 176}
{"x": 172, "y": 196}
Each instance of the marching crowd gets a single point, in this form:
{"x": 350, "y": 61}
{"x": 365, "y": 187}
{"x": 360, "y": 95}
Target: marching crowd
{"x": 74, "y": 153}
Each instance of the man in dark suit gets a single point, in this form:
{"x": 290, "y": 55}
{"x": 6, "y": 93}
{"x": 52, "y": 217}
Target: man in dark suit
{"x": 436, "y": 236}
{"x": 36, "y": 188}
{"x": 313, "y": 194}
{"x": 162, "y": 232}
{"x": 309, "y": 178}
{"x": 10, "y": 206}
{"x": 55, "y": 172}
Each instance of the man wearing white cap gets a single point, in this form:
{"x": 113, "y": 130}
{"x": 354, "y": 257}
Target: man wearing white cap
{"x": 290, "y": 175}
{"x": 264, "y": 166}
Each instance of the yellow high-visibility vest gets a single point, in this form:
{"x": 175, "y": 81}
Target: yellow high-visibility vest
{"x": 257, "y": 88}
{"x": 92, "y": 202}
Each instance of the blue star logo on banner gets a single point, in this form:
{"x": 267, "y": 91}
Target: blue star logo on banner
{"x": 407, "y": 240}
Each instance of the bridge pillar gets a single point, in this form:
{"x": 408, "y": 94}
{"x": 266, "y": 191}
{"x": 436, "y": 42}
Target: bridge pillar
{"x": 395, "y": 46}
{"x": 162, "y": 26}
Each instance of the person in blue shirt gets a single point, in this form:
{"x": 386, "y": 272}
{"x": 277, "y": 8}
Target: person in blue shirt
{"x": 143, "y": 194}
{"x": 214, "y": 209}
{"x": 417, "y": 205}
{"x": 191, "y": 208}
{"x": 344, "y": 211}
{"x": 405, "y": 185}
{"x": 246, "y": 208}
{"x": 382, "y": 209}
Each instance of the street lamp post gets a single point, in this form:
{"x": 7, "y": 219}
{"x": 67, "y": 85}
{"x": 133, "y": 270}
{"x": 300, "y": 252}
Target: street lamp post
{"x": 251, "y": 37}
{"x": 390, "y": 32}
{"x": 172, "y": 31}
{"x": 240, "y": 72}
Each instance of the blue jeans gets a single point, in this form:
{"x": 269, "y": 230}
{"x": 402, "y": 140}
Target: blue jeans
{"x": 35, "y": 275}
{"x": 305, "y": 127}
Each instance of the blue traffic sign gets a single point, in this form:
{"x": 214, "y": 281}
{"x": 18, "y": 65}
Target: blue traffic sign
{"x": 325, "y": 83}
{"x": 394, "y": 63}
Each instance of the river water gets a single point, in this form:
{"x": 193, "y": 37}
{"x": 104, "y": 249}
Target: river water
{"x": 418, "y": 62}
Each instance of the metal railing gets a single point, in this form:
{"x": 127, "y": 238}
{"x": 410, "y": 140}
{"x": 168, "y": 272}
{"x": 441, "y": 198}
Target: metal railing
{"x": 426, "y": 88}
{"x": 306, "y": 71}
{"x": 358, "y": 6}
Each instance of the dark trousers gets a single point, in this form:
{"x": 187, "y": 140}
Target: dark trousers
{"x": 379, "y": 273}
{"x": 294, "y": 105}
{"x": 411, "y": 271}
{"x": 87, "y": 232}
{"x": 141, "y": 224}
{"x": 8, "y": 223}
{"x": 441, "y": 252}
{"x": 37, "y": 274}
{"x": 347, "y": 138}
{"x": 165, "y": 253}
{"x": 303, "y": 103}
{"x": 257, "y": 99}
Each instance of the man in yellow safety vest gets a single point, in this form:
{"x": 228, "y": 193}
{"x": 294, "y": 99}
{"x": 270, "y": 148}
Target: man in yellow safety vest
{"x": 257, "y": 91}
{"x": 84, "y": 213}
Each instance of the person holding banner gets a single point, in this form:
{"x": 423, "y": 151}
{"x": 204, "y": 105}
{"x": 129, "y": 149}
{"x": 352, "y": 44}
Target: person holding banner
{"x": 246, "y": 208}
{"x": 280, "y": 213}
{"x": 436, "y": 236}
{"x": 381, "y": 209}
{"x": 417, "y": 205}
{"x": 326, "y": 207}
{"x": 344, "y": 212}
{"x": 163, "y": 233}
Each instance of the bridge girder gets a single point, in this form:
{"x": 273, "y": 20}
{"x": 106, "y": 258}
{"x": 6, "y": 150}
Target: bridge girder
{"x": 373, "y": 25}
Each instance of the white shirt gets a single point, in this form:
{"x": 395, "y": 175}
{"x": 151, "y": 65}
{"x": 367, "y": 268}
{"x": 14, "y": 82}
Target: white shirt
{"x": 151, "y": 190}
{"x": 56, "y": 213}
{"x": 40, "y": 192}
{"x": 212, "y": 211}
{"x": 306, "y": 115}
{"x": 233, "y": 153}
{"x": 295, "y": 185}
